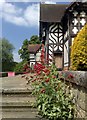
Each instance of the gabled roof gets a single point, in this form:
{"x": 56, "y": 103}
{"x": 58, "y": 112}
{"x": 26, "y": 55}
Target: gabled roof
{"x": 52, "y": 12}
{"x": 55, "y": 12}
{"x": 33, "y": 48}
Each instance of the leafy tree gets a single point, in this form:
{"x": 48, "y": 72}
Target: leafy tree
{"x": 23, "y": 52}
{"x": 34, "y": 40}
{"x": 79, "y": 51}
{"x": 19, "y": 66}
{"x": 6, "y": 48}
{"x": 6, "y": 55}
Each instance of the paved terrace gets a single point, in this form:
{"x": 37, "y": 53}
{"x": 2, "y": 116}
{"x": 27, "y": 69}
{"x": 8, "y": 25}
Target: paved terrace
{"x": 16, "y": 82}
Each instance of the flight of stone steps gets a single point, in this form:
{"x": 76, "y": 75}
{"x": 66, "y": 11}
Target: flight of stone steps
{"x": 17, "y": 100}
{"x": 18, "y": 103}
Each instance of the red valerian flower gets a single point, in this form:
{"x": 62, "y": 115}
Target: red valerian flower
{"x": 31, "y": 76}
{"x": 43, "y": 90}
{"x": 25, "y": 72}
{"x": 33, "y": 80}
{"x": 46, "y": 70}
{"x": 28, "y": 70}
{"x": 42, "y": 57}
{"x": 47, "y": 80}
{"x": 38, "y": 73}
{"x": 70, "y": 76}
{"x": 53, "y": 76}
{"x": 38, "y": 67}
{"x": 26, "y": 66}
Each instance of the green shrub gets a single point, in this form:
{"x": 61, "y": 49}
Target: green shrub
{"x": 79, "y": 51}
{"x": 20, "y": 67}
{"x": 53, "y": 101}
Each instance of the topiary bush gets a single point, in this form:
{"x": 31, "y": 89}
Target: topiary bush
{"x": 79, "y": 51}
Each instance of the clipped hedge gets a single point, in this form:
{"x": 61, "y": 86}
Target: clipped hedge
{"x": 79, "y": 50}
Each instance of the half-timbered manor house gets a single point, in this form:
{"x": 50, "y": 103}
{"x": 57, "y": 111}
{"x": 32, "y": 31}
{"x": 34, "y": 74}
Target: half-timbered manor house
{"x": 59, "y": 24}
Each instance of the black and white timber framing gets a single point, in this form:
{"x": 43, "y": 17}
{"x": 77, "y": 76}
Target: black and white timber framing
{"x": 59, "y": 24}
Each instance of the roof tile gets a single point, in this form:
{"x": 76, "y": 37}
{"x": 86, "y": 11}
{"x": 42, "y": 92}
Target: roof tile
{"x": 33, "y": 48}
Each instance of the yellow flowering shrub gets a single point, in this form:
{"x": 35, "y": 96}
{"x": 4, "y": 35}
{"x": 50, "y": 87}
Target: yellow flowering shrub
{"x": 79, "y": 50}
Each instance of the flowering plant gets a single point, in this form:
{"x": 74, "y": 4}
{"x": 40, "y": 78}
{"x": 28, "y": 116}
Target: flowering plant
{"x": 52, "y": 101}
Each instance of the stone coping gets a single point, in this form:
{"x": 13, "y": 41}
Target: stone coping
{"x": 75, "y": 77}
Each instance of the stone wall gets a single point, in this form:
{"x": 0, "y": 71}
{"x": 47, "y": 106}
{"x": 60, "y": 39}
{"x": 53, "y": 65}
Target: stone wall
{"x": 78, "y": 82}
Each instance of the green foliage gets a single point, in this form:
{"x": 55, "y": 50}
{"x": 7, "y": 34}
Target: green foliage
{"x": 6, "y": 55}
{"x": 19, "y": 67}
{"x": 54, "y": 98}
{"x": 34, "y": 40}
{"x": 23, "y": 52}
{"x": 79, "y": 51}
{"x": 8, "y": 66}
{"x": 53, "y": 102}
{"x": 6, "y": 48}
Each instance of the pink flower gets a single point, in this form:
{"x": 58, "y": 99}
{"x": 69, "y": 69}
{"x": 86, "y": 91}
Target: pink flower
{"x": 47, "y": 80}
{"x": 31, "y": 76}
{"x": 25, "y": 72}
{"x": 43, "y": 90}
{"x": 46, "y": 70}
{"x": 38, "y": 73}
{"x": 70, "y": 76}
{"x": 33, "y": 80}
{"x": 53, "y": 76}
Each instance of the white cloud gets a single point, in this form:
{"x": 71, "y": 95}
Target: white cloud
{"x": 28, "y": 17}
{"x": 16, "y": 57}
{"x": 50, "y": 2}
{"x": 10, "y": 9}
{"x": 23, "y": 17}
{"x": 15, "y": 20}
{"x": 31, "y": 14}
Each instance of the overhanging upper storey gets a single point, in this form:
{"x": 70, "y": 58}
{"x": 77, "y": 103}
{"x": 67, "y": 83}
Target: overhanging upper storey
{"x": 52, "y": 13}
{"x": 59, "y": 24}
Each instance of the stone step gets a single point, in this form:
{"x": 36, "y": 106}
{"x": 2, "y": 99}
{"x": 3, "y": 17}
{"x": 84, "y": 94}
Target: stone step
{"x": 17, "y": 99}
{"x": 16, "y": 91}
{"x": 18, "y": 104}
{"x": 17, "y": 95}
{"x": 25, "y": 115}
{"x": 19, "y": 109}
{"x": 20, "y": 113}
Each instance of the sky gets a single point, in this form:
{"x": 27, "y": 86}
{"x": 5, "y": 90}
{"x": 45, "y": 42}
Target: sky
{"x": 19, "y": 20}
